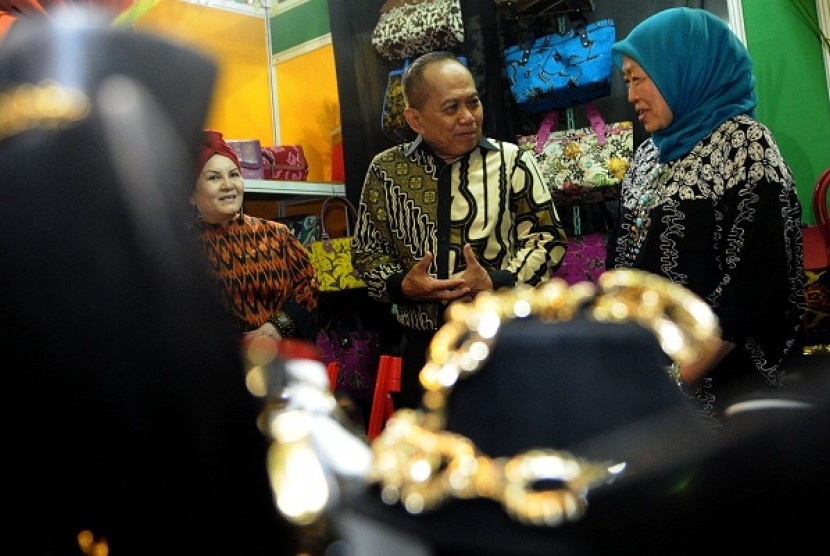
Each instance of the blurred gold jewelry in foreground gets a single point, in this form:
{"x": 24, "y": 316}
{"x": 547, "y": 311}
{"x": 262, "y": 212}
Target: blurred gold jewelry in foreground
{"x": 46, "y": 105}
{"x": 418, "y": 463}
{"x": 421, "y": 465}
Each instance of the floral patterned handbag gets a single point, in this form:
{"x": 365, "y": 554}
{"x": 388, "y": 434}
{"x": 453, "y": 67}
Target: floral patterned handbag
{"x": 582, "y": 165}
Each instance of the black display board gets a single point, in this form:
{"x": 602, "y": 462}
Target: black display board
{"x": 362, "y": 73}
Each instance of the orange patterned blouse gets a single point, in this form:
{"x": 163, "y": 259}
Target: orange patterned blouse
{"x": 259, "y": 266}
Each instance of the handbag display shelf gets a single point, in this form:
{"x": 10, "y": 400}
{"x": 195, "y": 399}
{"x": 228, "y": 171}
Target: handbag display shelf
{"x": 542, "y": 8}
{"x": 290, "y": 188}
{"x": 286, "y": 200}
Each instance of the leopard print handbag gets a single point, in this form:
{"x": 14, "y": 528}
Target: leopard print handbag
{"x": 409, "y": 28}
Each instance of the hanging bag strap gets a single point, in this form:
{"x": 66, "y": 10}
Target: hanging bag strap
{"x": 597, "y": 121}
{"x": 551, "y": 121}
{"x": 820, "y": 192}
{"x": 820, "y": 196}
{"x": 269, "y": 159}
{"x": 549, "y": 124}
{"x": 350, "y": 215}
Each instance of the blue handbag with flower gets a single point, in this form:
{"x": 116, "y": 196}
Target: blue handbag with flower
{"x": 559, "y": 71}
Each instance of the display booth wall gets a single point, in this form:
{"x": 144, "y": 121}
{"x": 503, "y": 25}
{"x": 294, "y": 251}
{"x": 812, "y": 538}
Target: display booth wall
{"x": 325, "y": 72}
{"x": 305, "y": 107}
{"x": 793, "y": 97}
{"x": 241, "y": 105}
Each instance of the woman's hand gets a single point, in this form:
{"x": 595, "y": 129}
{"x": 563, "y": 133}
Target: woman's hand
{"x": 692, "y": 373}
{"x": 267, "y": 330}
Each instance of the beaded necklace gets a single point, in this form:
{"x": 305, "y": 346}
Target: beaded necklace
{"x": 647, "y": 194}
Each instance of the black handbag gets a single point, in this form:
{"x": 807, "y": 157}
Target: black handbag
{"x": 393, "y": 121}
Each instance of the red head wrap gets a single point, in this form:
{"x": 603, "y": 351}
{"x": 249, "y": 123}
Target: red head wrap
{"x": 212, "y": 143}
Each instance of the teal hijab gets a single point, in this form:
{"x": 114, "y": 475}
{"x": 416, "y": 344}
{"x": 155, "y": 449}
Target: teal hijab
{"x": 700, "y": 67}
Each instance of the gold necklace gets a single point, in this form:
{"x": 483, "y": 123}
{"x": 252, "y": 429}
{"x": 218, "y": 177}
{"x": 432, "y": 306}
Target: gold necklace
{"x": 421, "y": 465}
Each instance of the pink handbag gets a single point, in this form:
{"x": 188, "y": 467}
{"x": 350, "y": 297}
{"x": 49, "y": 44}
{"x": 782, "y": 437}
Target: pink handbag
{"x": 249, "y": 152}
{"x": 356, "y": 351}
{"x": 816, "y": 243}
{"x": 817, "y": 238}
{"x": 285, "y": 162}
{"x": 584, "y": 260}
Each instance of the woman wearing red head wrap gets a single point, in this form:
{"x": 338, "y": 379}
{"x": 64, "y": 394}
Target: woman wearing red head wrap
{"x": 265, "y": 278}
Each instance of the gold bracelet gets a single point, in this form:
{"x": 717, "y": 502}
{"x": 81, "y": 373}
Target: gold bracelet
{"x": 46, "y": 105}
{"x": 418, "y": 463}
{"x": 284, "y": 324}
{"x": 421, "y": 468}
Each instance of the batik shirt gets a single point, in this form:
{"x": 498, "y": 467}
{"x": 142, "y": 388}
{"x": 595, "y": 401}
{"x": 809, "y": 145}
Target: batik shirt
{"x": 259, "y": 266}
{"x": 724, "y": 221}
{"x": 492, "y": 198}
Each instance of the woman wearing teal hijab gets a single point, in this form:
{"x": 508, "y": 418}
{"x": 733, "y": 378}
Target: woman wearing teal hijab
{"x": 708, "y": 201}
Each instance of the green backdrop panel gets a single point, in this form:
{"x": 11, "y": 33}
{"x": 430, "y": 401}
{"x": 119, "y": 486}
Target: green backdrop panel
{"x": 298, "y": 25}
{"x": 792, "y": 88}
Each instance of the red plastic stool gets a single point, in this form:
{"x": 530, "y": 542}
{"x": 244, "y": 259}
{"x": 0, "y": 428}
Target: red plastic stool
{"x": 333, "y": 369}
{"x": 388, "y": 380}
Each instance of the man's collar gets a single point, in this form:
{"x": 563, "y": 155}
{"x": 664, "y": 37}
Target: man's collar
{"x": 483, "y": 143}
{"x": 413, "y": 145}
